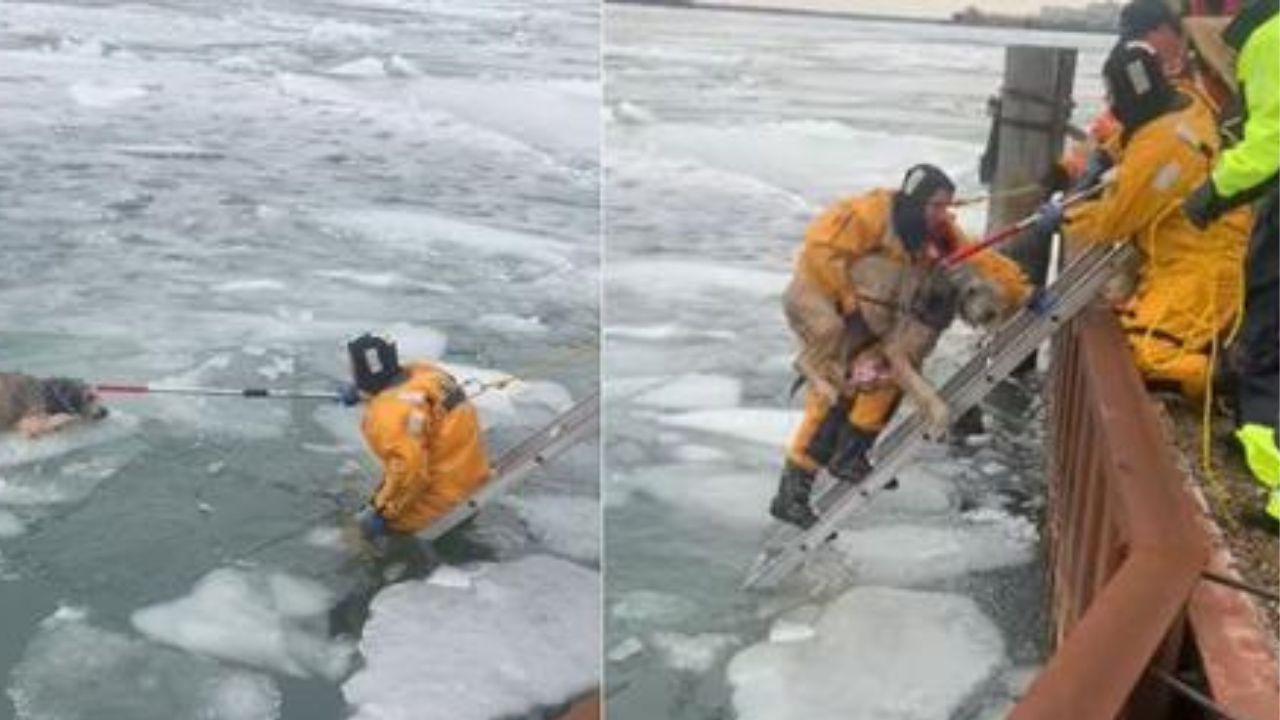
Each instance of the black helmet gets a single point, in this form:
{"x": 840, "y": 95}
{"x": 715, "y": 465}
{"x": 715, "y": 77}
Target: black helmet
{"x": 375, "y": 364}
{"x": 1139, "y": 90}
{"x": 1140, "y": 17}
{"x": 919, "y": 184}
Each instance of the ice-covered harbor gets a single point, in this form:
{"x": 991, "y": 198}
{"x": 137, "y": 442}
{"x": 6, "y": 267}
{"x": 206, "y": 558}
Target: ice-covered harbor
{"x": 726, "y": 132}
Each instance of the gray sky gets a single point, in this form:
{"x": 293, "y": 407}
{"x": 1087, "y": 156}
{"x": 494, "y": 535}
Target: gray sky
{"x": 913, "y": 7}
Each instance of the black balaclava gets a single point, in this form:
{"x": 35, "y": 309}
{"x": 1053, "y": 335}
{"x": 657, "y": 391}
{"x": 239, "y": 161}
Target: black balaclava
{"x": 375, "y": 364}
{"x": 1139, "y": 90}
{"x": 918, "y": 185}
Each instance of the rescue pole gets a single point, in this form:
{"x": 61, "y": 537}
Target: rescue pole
{"x": 196, "y": 391}
{"x": 1013, "y": 230}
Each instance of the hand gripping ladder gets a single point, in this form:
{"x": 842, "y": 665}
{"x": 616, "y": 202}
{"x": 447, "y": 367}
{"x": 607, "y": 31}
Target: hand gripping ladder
{"x": 566, "y": 430}
{"x": 787, "y": 547}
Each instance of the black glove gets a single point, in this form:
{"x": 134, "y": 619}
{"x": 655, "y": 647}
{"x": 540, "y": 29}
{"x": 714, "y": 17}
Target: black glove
{"x": 1099, "y": 163}
{"x": 1048, "y": 218}
{"x": 1055, "y": 179}
{"x": 1203, "y": 205}
{"x": 347, "y": 394}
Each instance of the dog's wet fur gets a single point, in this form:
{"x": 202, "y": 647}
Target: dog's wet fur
{"x": 37, "y": 406}
{"x": 906, "y": 309}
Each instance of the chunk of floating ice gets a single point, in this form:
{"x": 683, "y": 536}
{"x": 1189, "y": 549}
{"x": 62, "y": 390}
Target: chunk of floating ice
{"x": 524, "y": 635}
{"x": 71, "y": 669}
{"x": 923, "y": 489}
{"x": 375, "y": 280}
{"x": 73, "y": 482}
{"x": 693, "y": 391}
{"x": 398, "y": 66}
{"x": 783, "y": 631}
{"x": 254, "y": 285}
{"x": 876, "y": 653}
{"x": 692, "y": 653}
{"x": 417, "y": 230}
{"x": 418, "y": 341}
{"x": 713, "y": 493}
{"x": 103, "y": 94}
{"x": 563, "y": 524}
{"x": 512, "y": 324}
{"x": 760, "y": 425}
{"x": 450, "y": 577}
{"x": 338, "y": 37}
{"x": 329, "y": 538}
{"x": 366, "y": 67}
{"x": 625, "y": 650}
{"x": 910, "y": 554}
{"x": 649, "y": 607}
{"x": 16, "y": 450}
{"x": 500, "y": 402}
{"x": 252, "y": 619}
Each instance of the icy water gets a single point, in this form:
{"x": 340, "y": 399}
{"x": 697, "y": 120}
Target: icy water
{"x": 221, "y": 194}
{"x": 725, "y": 133}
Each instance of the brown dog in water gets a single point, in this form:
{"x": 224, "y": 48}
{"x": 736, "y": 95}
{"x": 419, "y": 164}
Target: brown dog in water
{"x": 35, "y": 406}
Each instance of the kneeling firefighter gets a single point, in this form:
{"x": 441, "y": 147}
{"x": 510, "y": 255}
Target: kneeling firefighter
{"x": 1189, "y": 280}
{"x": 910, "y": 226}
{"x": 425, "y": 433}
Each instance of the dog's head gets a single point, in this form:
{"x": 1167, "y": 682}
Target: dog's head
{"x": 934, "y": 300}
{"x": 980, "y": 302}
{"x": 71, "y": 397}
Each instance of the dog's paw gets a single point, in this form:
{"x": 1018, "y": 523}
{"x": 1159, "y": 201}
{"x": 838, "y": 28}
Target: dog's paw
{"x": 826, "y": 391}
{"x": 939, "y": 420}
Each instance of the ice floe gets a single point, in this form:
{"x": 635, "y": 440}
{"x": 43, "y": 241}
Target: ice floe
{"x": 522, "y": 635}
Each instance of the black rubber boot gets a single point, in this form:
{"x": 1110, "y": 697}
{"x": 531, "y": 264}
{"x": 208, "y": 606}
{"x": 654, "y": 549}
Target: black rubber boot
{"x": 791, "y": 504}
{"x": 850, "y": 464}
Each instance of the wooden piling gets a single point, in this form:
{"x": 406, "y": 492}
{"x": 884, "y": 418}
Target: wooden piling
{"x": 1032, "y": 115}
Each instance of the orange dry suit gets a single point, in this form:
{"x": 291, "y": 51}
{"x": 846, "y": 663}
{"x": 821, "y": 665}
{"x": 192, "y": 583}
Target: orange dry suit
{"x": 1105, "y": 130}
{"x": 840, "y": 236}
{"x": 429, "y": 441}
{"x": 1189, "y": 282}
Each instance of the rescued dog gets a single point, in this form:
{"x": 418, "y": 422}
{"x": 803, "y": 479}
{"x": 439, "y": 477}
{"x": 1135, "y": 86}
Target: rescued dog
{"x": 903, "y": 311}
{"x": 35, "y": 406}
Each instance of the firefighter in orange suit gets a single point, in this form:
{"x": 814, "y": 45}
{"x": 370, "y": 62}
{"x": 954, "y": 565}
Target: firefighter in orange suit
{"x": 1188, "y": 288}
{"x": 912, "y": 225}
{"x": 420, "y": 426}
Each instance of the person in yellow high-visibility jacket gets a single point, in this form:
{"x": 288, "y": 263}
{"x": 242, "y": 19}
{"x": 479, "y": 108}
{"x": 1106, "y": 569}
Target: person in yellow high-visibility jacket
{"x": 426, "y": 434}
{"x": 1188, "y": 288}
{"x": 1244, "y": 173}
{"x": 911, "y": 226}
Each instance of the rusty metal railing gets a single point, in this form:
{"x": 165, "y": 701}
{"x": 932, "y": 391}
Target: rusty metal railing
{"x": 1126, "y": 549}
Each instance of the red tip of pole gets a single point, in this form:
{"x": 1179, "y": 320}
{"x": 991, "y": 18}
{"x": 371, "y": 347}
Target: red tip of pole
{"x": 107, "y": 388}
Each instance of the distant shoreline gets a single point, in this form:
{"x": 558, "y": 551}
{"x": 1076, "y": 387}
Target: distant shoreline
{"x": 1014, "y": 23}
